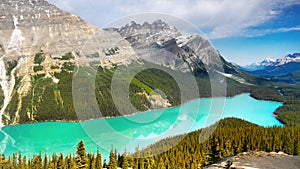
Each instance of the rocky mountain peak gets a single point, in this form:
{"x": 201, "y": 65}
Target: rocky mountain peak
{"x": 163, "y": 44}
{"x": 157, "y": 26}
{"x": 28, "y": 26}
{"x": 294, "y": 55}
{"x": 158, "y": 31}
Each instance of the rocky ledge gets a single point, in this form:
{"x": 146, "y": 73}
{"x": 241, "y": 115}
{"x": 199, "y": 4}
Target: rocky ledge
{"x": 258, "y": 160}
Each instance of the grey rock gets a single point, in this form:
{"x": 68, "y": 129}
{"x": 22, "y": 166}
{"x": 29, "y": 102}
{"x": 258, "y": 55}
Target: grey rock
{"x": 163, "y": 44}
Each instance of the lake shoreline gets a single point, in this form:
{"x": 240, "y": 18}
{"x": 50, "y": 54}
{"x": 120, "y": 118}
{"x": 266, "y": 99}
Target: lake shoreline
{"x": 136, "y": 130}
{"x": 135, "y": 113}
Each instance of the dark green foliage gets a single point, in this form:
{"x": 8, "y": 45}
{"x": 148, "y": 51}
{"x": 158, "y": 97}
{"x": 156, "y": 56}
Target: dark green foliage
{"x": 291, "y": 77}
{"x": 232, "y": 136}
{"x": 10, "y": 66}
{"x": 98, "y": 163}
{"x": 67, "y": 56}
{"x": 81, "y": 157}
{"x": 68, "y": 66}
{"x": 39, "y": 57}
{"x": 124, "y": 162}
{"x": 289, "y": 113}
{"x": 38, "y": 68}
{"x": 54, "y": 67}
{"x": 112, "y": 164}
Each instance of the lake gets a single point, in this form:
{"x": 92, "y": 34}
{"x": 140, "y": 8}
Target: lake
{"x": 140, "y": 129}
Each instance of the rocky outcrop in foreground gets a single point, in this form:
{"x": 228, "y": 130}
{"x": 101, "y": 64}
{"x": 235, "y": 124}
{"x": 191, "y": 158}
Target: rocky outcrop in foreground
{"x": 259, "y": 160}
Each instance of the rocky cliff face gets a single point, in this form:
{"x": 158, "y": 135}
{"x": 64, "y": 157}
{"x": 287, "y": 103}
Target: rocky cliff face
{"x": 163, "y": 44}
{"x": 31, "y": 25}
{"x": 28, "y": 26}
{"x": 37, "y": 38}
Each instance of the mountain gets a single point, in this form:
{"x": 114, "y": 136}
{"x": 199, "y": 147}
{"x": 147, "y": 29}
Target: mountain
{"x": 49, "y": 59}
{"x": 287, "y": 64}
{"x": 38, "y": 47}
{"x": 295, "y": 57}
{"x": 163, "y": 44}
{"x": 258, "y": 65}
{"x": 269, "y": 65}
{"x": 284, "y": 69}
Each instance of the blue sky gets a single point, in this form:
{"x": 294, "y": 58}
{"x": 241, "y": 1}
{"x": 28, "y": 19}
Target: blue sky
{"x": 244, "y": 31}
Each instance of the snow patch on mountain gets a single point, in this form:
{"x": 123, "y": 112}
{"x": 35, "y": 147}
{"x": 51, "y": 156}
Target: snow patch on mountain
{"x": 287, "y": 59}
{"x": 258, "y": 65}
{"x": 270, "y": 63}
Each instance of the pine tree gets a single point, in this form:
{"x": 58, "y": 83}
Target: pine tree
{"x": 135, "y": 163}
{"x": 45, "y": 161}
{"x": 69, "y": 162}
{"x": 53, "y": 163}
{"x": 161, "y": 164}
{"x": 25, "y": 162}
{"x": 141, "y": 163}
{"x": 297, "y": 148}
{"x": 20, "y": 162}
{"x": 14, "y": 161}
{"x": 81, "y": 158}
{"x": 112, "y": 164}
{"x": 124, "y": 164}
{"x": 37, "y": 162}
{"x": 98, "y": 160}
{"x": 60, "y": 162}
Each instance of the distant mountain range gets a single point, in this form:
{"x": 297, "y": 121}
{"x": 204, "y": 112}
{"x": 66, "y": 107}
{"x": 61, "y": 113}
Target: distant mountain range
{"x": 284, "y": 69}
{"x": 270, "y": 63}
{"x": 257, "y": 65}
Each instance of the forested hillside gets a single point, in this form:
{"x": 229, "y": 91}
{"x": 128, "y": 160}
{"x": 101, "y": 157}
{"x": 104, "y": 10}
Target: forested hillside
{"x": 232, "y": 136}
{"x": 50, "y": 96}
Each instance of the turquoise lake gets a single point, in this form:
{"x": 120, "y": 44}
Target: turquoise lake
{"x": 140, "y": 129}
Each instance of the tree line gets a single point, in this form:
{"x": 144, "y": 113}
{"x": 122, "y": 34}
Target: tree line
{"x": 232, "y": 136}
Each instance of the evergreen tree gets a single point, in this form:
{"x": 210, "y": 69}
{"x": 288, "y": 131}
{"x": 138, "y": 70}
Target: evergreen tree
{"x": 135, "y": 163}
{"x": 20, "y": 162}
{"x": 81, "y": 158}
{"x": 14, "y": 161}
{"x": 45, "y": 161}
{"x": 98, "y": 160}
{"x": 141, "y": 163}
{"x": 25, "y": 162}
{"x": 37, "y": 162}
{"x": 124, "y": 163}
{"x": 112, "y": 164}
{"x": 69, "y": 162}
{"x": 60, "y": 162}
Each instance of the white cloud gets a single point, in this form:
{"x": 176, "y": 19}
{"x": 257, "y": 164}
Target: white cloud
{"x": 254, "y": 32}
{"x": 222, "y": 18}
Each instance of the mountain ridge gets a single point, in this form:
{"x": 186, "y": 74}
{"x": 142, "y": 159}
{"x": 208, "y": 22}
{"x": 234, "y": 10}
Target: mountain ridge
{"x": 37, "y": 82}
{"x": 268, "y": 64}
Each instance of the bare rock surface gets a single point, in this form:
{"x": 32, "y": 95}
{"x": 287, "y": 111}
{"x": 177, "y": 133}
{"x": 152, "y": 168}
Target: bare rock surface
{"x": 259, "y": 160}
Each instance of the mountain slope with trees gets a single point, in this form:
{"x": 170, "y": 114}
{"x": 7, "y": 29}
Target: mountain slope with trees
{"x": 232, "y": 136}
